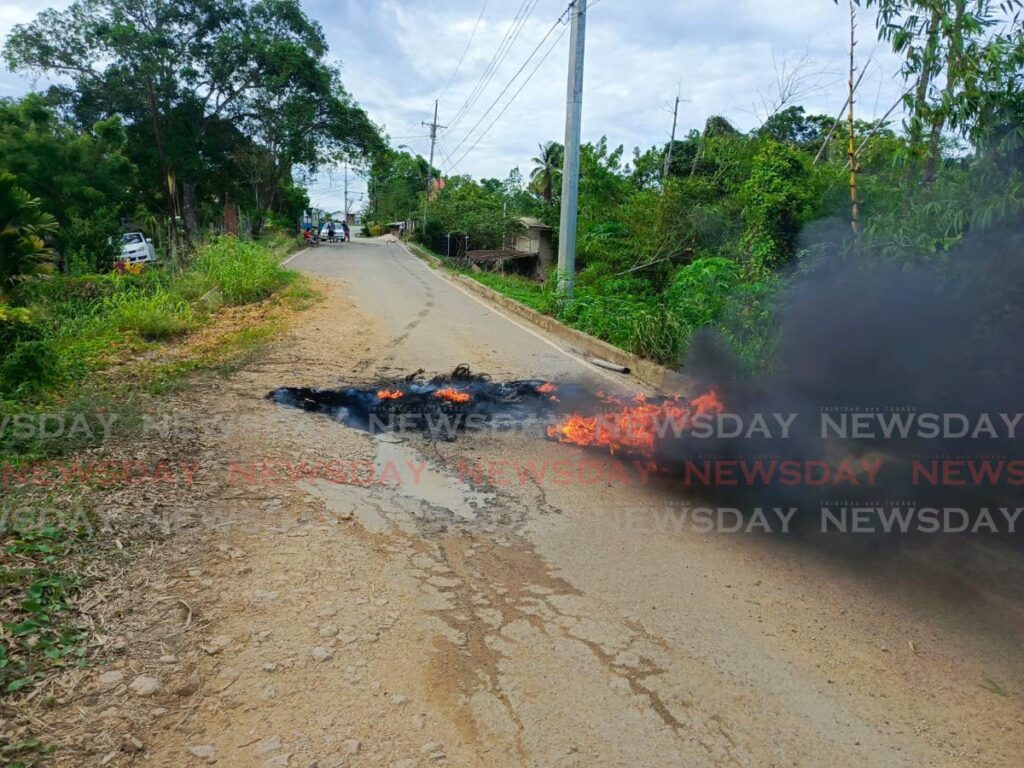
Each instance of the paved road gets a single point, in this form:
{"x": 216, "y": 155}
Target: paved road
{"x": 434, "y": 324}
{"x": 497, "y": 612}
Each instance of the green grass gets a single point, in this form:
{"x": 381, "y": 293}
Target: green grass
{"x": 243, "y": 272}
{"x": 535, "y": 295}
{"x": 153, "y": 316}
{"x": 61, "y": 332}
{"x": 59, "y": 341}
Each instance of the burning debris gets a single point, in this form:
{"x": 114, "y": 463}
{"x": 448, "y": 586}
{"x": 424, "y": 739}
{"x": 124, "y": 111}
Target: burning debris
{"x": 634, "y": 427}
{"x": 440, "y": 406}
{"x": 444, "y": 405}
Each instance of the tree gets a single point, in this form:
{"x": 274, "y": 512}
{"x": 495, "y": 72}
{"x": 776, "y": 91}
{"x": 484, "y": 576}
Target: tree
{"x": 777, "y": 200}
{"x": 963, "y": 62}
{"x": 547, "y": 169}
{"x": 83, "y": 177}
{"x": 476, "y": 209}
{"x": 222, "y": 72}
{"x": 23, "y": 227}
{"x": 397, "y": 182}
{"x": 791, "y": 126}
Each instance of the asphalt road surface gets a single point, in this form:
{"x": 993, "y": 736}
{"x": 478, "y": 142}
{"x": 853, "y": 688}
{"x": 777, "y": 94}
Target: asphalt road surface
{"x": 492, "y": 612}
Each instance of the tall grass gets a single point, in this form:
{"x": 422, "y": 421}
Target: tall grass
{"x": 153, "y": 316}
{"x": 60, "y": 330}
{"x": 243, "y": 271}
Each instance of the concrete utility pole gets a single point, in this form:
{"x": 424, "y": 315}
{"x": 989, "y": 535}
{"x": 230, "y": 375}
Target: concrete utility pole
{"x": 672, "y": 141}
{"x": 571, "y": 165}
{"x": 346, "y": 191}
{"x": 430, "y": 168}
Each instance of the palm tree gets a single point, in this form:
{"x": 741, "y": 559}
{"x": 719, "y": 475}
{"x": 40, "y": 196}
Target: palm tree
{"x": 547, "y": 170}
{"x": 22, "y": 229}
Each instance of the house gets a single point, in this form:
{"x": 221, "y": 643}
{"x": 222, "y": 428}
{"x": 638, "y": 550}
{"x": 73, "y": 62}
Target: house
{"x": 536, "y": 239}
{"x": 529, "y": 253}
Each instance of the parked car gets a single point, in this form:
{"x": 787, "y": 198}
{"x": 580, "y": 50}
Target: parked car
{"x": 324, "y": 232}
{"x": 136, "y": 247}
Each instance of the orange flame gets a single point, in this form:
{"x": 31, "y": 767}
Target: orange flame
{"x": 390, "y": 394}
{"x": 637, "y": 425}
{"x": 452, "y": 395}
{"x": 547, "y": 387}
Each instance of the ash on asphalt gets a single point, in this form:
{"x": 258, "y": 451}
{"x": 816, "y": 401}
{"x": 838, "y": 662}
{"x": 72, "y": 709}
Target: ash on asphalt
{"x": 439, "y": 407}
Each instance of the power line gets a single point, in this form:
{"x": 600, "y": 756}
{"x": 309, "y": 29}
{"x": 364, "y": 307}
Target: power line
{"x": 466, "y": 50}
{"x": 508, "y": 85}
{"x": 511, "y": 35}
{"x": 449, "y": 165}
{"x": 491, "y": 65}
{"x": 454, "y": 164}
{"x": 514, "y": 97}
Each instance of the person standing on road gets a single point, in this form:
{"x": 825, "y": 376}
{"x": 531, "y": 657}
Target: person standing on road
{"x": 345, "y": 231}
{"x": 330, "y": 232}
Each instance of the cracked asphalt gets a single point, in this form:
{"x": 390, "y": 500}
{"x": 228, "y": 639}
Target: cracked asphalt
{"x": 479, "y": 615}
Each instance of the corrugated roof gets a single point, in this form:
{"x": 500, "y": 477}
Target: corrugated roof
{"x": 532, "y": 223}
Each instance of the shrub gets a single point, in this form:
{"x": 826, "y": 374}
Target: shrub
{"x": 152, "y": 316}
{"x": 29, "y": 367}
{"x": 777, "y": 200}
{"x": 91, "y": 243}
{"x": 23, "y": 250}
{"x": 642, "y": 325}
{"x": 750, "y": 324}
{"x": 244, "y": 272}
{"x": 699, "y": 291}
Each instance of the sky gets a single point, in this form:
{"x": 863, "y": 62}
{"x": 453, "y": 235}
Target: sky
{"x": 720, "y": 56}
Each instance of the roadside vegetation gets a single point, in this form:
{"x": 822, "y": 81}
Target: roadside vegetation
{"x": 75, "y": 348}
{"x": 712, "y": 238}
{"x": 206, "y": 128}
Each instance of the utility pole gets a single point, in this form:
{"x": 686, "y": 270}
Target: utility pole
{"x": 571, "y": 165}
{"x": 346, "y": 191}
{"x": 430, "y": 167}
{"x": 672, "y": 141}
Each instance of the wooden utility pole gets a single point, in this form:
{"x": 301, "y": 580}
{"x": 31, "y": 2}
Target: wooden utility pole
{"x": 430, "y": 167}
{"x": 851, "y": 150}
{"x": 571, "y": 162}
{"x": 346, "y": 191}
{"x": 671, "y": 142}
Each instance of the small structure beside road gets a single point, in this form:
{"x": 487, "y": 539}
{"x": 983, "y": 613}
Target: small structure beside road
{"x": 531, "y": 252}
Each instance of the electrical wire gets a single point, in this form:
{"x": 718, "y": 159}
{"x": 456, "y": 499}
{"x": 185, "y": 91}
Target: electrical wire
{"x": 465, "y": 50}
{"x": 511, "y": 35}
{"x": 448, "y": 164}
{"x": 508, "y": 85}
{"x": 510, "y": 101}
{"x": 491, "y": 65}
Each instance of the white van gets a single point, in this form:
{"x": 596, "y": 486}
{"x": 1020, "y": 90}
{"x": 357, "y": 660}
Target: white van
{"x": 136, "y": 247}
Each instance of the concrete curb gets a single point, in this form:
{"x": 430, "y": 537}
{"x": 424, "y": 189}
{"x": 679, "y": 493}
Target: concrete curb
{"x": 657, "y": 376}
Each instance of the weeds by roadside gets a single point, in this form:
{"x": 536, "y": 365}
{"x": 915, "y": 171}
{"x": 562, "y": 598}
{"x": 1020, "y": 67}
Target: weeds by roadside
{"x": 75, "y": 349}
